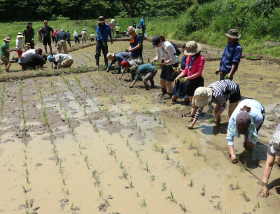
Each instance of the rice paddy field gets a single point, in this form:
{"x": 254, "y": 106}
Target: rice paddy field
{"x": 87, "y": 143}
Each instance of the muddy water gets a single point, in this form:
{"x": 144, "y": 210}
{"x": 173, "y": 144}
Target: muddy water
{"x": 114, "y": 150}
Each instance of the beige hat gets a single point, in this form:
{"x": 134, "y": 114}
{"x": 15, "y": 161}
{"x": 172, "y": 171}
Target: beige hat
{"x": 233, "y": 33}
{"x": 202, "y": 96}
{"x": 130, "y": 29}
{"x": 84, "y": 29}
{"x": 19, "y": 35}
{"x": 192, "y": 48}
{"x": 110, "y": 56}
{"x": 45, "y": 21}
{"x": 7, "y": 39}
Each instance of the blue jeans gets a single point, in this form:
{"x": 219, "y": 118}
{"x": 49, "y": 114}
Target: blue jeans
{"x": 180, "y": 90}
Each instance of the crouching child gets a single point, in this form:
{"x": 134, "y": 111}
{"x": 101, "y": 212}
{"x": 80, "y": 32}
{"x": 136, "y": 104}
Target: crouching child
{"x": 146, "y": 69}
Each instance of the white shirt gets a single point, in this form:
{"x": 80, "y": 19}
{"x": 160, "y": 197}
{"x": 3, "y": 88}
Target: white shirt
{"x": 62, "y": 57}
{"x": 19, "y": 42}
{"x": 29, "y": 52}
{"x": 92, "y": 36}
{"x": 167, "y": 51}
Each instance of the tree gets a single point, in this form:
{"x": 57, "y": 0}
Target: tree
{"x": 130, "y": 6}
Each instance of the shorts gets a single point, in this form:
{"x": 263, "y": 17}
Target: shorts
{"x": 5, "y": 59}
{"x": 235, "y": 97}
{"x": 117, "y": 32}
{"x": 167, "y": 72}
{"x": 151, "y": 75}
{"x": 193, "y": 84}
{"x": 47, "y": 40}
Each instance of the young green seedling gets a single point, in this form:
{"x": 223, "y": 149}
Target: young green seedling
{"x": 258, "y": 204}
{"x": 125, "y": 175}
{"x": 245, "y": 166}
{"x": 106, "y": 201}
{"x": 172, "y": 197}
{"x": 183, "y": 170}
{"x": 163, "y": 186}
{"x": 178, "y": 163}
{"x": 147, "y": 166}
{"x": 205, "y": 159}
{"x": 63, "y": 182}
{"x": 203, "y": 187}
{"x": 191, "y": 183}
{"x": 198, "y": 152}
{"x": 121, "y": 165}
{"x": 237, "y": 186}
{"x": 184, "y": 141}
{"x": 167, "y": 155}
{"x": 137, "y": 194}
{"x": 152, "y": 178}
{"x": 130, "y": 184}
{"x": 100, "y": 193}
{"x": 24, "y": 190}
{"x": 244, "y": 194}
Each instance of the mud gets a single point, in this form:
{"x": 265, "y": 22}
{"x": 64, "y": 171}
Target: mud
{"x": 92, "y": 145}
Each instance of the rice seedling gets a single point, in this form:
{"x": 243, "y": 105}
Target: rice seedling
{"x": 163, "y": 186}
{"x": 195, "y": 131}
{"x": 24, "y": 190}
{"x": 191, "y": 145}
{"x": 162, "y": 150}
{"x": 85, "y": 158}
{"x": 97, "y": 182}
{"x": 178, "y": 163}
{"x": 106, "y": 201}
{"x": 198, "y": 152}
{"x": 63, "y": 181}
{"x": 144, "y": 134}
{"x": 87, "y": 165}
{"x": 237, "y": 186}
{"x": 72, "y": 206}
{"x": 147, "y": 167}
{"x": 172, "y": 196}
{"x": 27, "y": 178}
{"x": 164, "y": 125}
{"x": 137, "y": 153}
{"x": 26, "y": 171}
{"x": 24, "y": 163}
{"x": 121, "y": 165}
{"x": 155, "y": 146}
{"x": 229, "y": 177}
{"x": 258, "y": 204}
{"x": 143, "y": 203}
{"x": 169, "y": 130}
{"x": 183, "y": 170}
{"x": 191, "y": 183}
{"x": 244, "y": 194}
{"x": 115, "y": 157}
{"x": 100, "y": 193}
{"x": 183, "y": 207}
{"x": 130, "y": 148}
{"x": 121, "y": 136}
{"x": 139, "y": 128}
{"x": 167, "y": 155}
{"x": 125, "y": 175}
{"x": 184, "y": 141}
{"x": 203, "y": 187}
{"x": 245, "y": 166}
{"x": 127, "y": 142}
{"x": 130, "y": 184}
{"x": 152, "y": 178}
{"x": 93, "y": 173}
{"x": 177, "y": 136}
{"x": 60, "y": 170}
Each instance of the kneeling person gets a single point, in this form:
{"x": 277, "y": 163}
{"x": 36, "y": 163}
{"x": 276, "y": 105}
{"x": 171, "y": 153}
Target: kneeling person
{"x": 62, "y": 60}
{"x": 33, "y": 61}
{"x": 148, "y": 70}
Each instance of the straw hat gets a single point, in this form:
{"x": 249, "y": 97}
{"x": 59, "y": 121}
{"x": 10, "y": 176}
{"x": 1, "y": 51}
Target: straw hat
{"x": 192, "y": 48}
{"x": 202, "y": 96}
{"x": 110, "y": 56}
{"x": 7, "y": 39}
{"x": 233, "y": 33}
{"x": 19, "y": 35}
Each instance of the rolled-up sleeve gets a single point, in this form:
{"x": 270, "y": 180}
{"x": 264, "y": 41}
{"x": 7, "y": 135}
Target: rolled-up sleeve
{"x": 230, "y": 136}
{"x": 237, "y": 55}
{"x": 198, "y": 112}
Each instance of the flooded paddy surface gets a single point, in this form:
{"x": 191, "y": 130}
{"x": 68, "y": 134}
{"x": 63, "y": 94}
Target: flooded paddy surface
{"x": 87, "y": 143}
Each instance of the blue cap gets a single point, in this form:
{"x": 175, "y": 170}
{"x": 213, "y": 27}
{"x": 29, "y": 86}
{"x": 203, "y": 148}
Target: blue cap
{"x": 49, "y": 58}
{"x": 117, "y": 24}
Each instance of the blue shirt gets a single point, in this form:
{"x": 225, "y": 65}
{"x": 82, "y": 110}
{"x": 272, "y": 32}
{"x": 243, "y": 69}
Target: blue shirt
{"x": 102, "y": 33}
{"x": 255, "y": 113}
{"x": 134, "y": 24}
{"x": 134, "y": 42}
{"x": 144, "y": 69}
{"x": 183, "y": 62}
{"x": 120, "y": 57}
{"x": 232, "y": 54}
{"x": 142, "y": 23}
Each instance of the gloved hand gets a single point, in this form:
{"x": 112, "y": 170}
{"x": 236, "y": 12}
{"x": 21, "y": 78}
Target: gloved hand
{"x": 104, "y": 44}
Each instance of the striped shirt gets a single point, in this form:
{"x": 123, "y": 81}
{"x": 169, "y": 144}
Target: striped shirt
{"x": 221, "y": 92}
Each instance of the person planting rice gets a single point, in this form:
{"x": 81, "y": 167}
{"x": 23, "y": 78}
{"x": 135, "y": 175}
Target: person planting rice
{"x": 146, "y": 69}
{"x": 31, "y": 51}
{"x": 217, "y": 92}
{"x": 246, "y": 119}
{"x": 5, "y": 53}
{"x": 127, "y": 64}
{"x": 231, "y": 56}
{"x": 273, "y": 149}
{"x": 193, "y": 70}
{"x": 136, "y": 44}
{"x": 61, "y": 60}
{"x": 118, "y": 57}
{"x": 33, "y": 61}
{"x": 166, "y": 50}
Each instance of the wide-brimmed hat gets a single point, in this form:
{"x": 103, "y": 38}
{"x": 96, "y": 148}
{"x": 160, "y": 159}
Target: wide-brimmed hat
{"x": 156, "y": 41}
{"x": 130, "y": 29}
{"x": 243, "y": 121}
{"x": 19, "y": 35}
{"x": 110, "y": 56}
{"x": 101, "y": 19}
{"x": 233, "y": 33}
{"x": 192, "y": 48}
{"x": 202, "y": 96}
{"x": 45, "y": 21}
{"x": 274, "y": 144}
{"x": 112, "y": 20}
{"x": 7, "y": 39}
{"x": 84, "y": 29}
{"x": 29, "y": 24}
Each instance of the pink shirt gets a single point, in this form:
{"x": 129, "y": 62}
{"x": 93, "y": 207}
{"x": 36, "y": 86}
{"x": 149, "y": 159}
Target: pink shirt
{"x": 197, "y": 66}
{"x": 84, "y": 33}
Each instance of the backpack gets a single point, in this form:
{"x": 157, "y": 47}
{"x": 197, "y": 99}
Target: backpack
{"x": 178, "y": 52}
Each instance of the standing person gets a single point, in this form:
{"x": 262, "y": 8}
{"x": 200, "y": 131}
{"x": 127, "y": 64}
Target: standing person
{"x": 76, "y": 37}
{"x": 246, "y": 119}
{"x": 46, "y": 35}
{"x": 33, "y": 61}
{"x": 103, "y": 30}
{"x": 133, "y": 23}
{"x": 84, "y": 35}
{"x": 143, "y": 26}
{"x": 118, "y": 57}
{"x": 217, "y": 92}
{"x": 68, "y": 38}
{"x": 5, "y": 53}
{"x": 61, "y": 60}
{"x": 19, "y": 44}
{"x": 165, "y": 50}
{"x": 112, "y": 26}
{"x": 148, "y": 70}
{"x": 118, "y": 29}
{"x": 61, "y": 41}
{"x": 54, "y": 35}
{"x": 92, "y": 37}
{"x": 136, "y": 44}
{"x": 29, "y": 34}
{"x": 231, "y": 56}
{"x": 273, "y": 150}
{"x": 39, "y": 35}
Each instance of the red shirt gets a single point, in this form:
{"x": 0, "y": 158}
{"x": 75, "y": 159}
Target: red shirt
{"x": 197, "y": 66}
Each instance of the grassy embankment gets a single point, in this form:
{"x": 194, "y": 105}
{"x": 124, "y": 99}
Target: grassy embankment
{"x": 258, "y": 21}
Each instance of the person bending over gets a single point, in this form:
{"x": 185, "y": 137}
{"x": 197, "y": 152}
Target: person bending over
{"x": 33, "y": 61}
{"x": 61, "y": 60}
{"x": 146, "y": 69}
{"x": 118, "y": 57}
{"x": 127, "y": 64}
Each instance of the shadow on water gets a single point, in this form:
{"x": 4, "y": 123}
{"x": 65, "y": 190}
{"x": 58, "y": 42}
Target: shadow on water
{"x": 214, "y": 130}
{"x": 275, "y": 183}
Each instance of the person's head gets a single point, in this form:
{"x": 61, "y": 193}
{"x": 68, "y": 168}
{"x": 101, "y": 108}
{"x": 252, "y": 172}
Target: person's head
{"x": 7, "y": 39}
{"x": 131, "y": 30}
{"x": 157, "y": 41}
{"x": 110, "y": 56}
{"x": 55, "y": 30}
{"x": 117, "y": 24}
{"x": 112, "y": 20}
{"x": 132, "y": 20}
{"x": 29, "y": 25}
{"x": 134, "y": 68}
{"x": 192, "y": 48}
{"x": 274, "y": 144}
{"x": 19, "y": 35}
{"x": 84, "y": 29}
{"x": 125, "y": 64}
{"x": 62, "y": 30}
{"x": 101, "y": 20}
{"x": 143, "y": 17}
{"x": 39, "y": 51}
{"x": 46, "y": 22}
{"x": 44, "y": 59}
{"x": 243, "y": 121}
{"x": 233, "y": 36}
{"x": 92, "y": 33}
{"x": 202, "y": 96}
{"x": 27, "y": 47}
{"x": 67, "y": 31}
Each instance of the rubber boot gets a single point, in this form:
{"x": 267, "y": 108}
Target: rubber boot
{"x": 146, "y": 86}
{"x": 106, "y": 61}
{"x": 152, "y": 83}
{"x": 97, "y": 62}
{"x": 163, "y": 90}
{"x": 46, "y": 50}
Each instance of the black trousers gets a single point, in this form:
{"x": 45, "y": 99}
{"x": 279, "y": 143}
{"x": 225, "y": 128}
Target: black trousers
{"x": 31, "y": 43}
{"x": 100, "y": 47}
{"x": 143, "y": 32}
